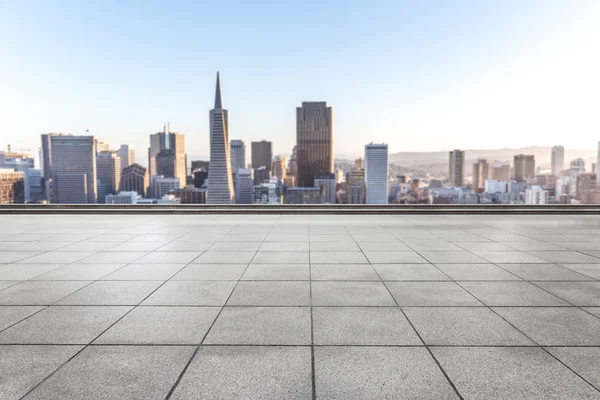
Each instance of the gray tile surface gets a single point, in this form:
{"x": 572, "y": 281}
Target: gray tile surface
{"x": 378, "y": 373}
{"x": 511, "y": 373}
{"x": 111, "y": 372}
{"x": 487, "y": 290}
{"x": 248, "y": 373}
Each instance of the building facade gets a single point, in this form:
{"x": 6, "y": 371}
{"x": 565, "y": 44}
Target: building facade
{"x": 237, "y": 149}
{"x": 220, "y": 182}
{"x": 456, "y": 168}
{"x": 481, "y": 173}
{"x": 73, "y": 160}
{"x": 262, "y": 155}
{"x": 327, "y": 184}
{"x": 12, "y": 186}
{"x": 134, "y": 178}
{"x": 127, "y": 155}
{"x": 376, "y": 173}
{"x": 557, "y": 160}
{"x": 244, "y": 186}
{"x": 279, "y": 168}
{"x": 123, "y": 198}
{"x": 163, "y": 186}
{"x": 108, "y": 173}
{"x": 314, "y": 141}
{"x": 171, "y": 148}
{"x": 524, "y": 167}
{"x": 302, "y": 195}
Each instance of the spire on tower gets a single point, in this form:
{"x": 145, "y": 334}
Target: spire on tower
{"x": 218, "y": 100}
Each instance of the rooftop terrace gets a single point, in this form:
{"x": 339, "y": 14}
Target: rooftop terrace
{"x": 299, "y": 306}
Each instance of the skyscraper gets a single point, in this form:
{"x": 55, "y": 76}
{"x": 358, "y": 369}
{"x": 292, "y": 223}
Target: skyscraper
{"x": 481, "y": 172}
{"x": 134, "y": 178}
{"x": 168, "y": 142}
{"x": 500, "y": 171}
{"x": 558, "y": 160}
{"x": 127, "y": 155}
{"x": 314, "y": 141}
{"x": 279, "y": 167}
{"x": 108, "y": 173}
{"x": 376, "y": 173}
{"x": 456, "y": 168}
{"x": 326, "y": 183}
{"x": 244, "y": 186}
{"x": 12, "y": 186}
{"x": 524, "y": 167}
{"x": 238, "y": 155}
{"x": 262, "y": 154}
{"x": 73, "y": 161}
{"x": 220, "y": 184}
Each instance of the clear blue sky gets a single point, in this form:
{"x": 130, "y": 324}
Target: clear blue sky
{"x": 419, "y": 75}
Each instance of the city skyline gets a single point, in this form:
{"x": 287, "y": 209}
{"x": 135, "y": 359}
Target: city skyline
{"x": 532, "y": 85}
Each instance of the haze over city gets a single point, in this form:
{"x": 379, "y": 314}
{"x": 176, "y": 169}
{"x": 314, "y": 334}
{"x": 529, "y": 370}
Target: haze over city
{"x": 464, "y": 74}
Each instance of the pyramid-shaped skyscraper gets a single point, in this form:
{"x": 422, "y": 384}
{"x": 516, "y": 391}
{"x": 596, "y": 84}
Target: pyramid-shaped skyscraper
{"x": 220, "y": 182}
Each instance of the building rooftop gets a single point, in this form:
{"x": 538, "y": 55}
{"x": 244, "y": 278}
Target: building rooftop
{"x": 299, "y": 306}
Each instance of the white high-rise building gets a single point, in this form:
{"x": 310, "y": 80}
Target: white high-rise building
{"x": 244, "y": 186}
{"x": 220, "y": 182}
{"x": 495, "y": 186}
{"x": 536, "y": 195}
{"x": 73, "y": 169}
{"x": 127, "y": 155}
{"x": 376, "y": 173}
{"x": 558, "y": 160}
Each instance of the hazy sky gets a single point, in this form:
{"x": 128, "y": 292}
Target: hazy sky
{"x": 418, "y": 75}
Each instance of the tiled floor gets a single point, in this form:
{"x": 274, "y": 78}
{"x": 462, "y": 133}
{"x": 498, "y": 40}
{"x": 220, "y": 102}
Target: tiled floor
{"x": 300, "y": 307}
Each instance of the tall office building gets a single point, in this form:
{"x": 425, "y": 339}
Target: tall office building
{"x": 220, "y": 184}
{"x": 163, "y": 185}
{"x": 376, "y": 173}
{"x": 456, "y": 168}
{"x": 244, "y": 186}
{"x": 73, "y": 161}
{"x": 261, "y": 175}
{"x": 108, "y": 174}
{"x": 279, "y": 167}
{"x": 12, "y": 186}
{"x": 262, "y": 154}
{"x": 46, "y": 163}
{"x": 558, "y": 160}
{"x": 237, "y": 149}
{"x": 500, "y": 171}
{"x": 101, "y": 145}
{"x": 314, "y": 141}
{"x": 481, "y": 172}
{"x": 127, "y": 155}
{"x": 168, "y": 143}
{"x": 134, "y": 178}
{"x": 326, "y": 183}
{"x": 524, "y": 167}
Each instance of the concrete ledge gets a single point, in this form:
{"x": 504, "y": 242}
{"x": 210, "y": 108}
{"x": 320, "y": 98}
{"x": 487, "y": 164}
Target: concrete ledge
{"x": 297, "y": 209}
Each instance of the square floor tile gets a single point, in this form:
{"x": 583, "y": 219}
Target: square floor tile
{"x": 362, "y": 326}
{"x": 14, "y": 256}
{"x": 274, "y": 272}
{"x": 452, "y": 257}
{"x": 379, "y": 373}
{"x": 484, "y": 246}
{"x": 136, "y": 246}
{"x": 211, "y": 272}
{"x": 565, "y": 257}
{"x": 111, "y": 293}
{"x": 221, "y": 257}
{"x": 381, "y": 246}
{"x": 23, "y": 367}
{"x": 331, "y": 238}
{"x": 511, "y": 294}
{"x": 39, "y": 292}
{"x": 57, "y": 257}
{"x": 335, "y": 257}
{"x": 280, "y": 257}
{"x": 21, "y": 272}
{"x": 425, "y": 294}
{"x": 63, "y": 325}
{"x": 343, "y": 272}
{"x": 195, "y": 246}
{"x": 350, "y": 294}
{"x": 114, "y": 257}
{"x": 533, "y": 245}
{"x": 510, "y": 257}
{"x": 510, "y": 373}
{"x": 270, "y": 294}
{"x": 543, "y": 272}
{"x": 192, "y": 293}
{"x": 583, "y": 360}
{"x": 145, "y": 272}
{"x": 34, "y": 246}
{"x": 476, "y": 272}
{"x": 334, "y": 246}
{"x": 261, "y": 326}
{"x": 397, "y": 257}
{"x": 140, "y": 372}
{"x": 161, "y": 325}
{"x": 464, "y": 326}
{"x": 10, "y": 315}
{"x": 85, "y": 246}
{"x": 590, "y": 270}
{"x": 168, "y": 257}
{"x": 577, "y": 293}
{"x": 79, "y": 272}
{"x": 285, "y": 246}
{"x": 236, "y": 246}
{"x": 249, "y": 373}
{"x": 410, "y": 272}
{"x": 555, "y": 326}
{"x": 431, "y": 245}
